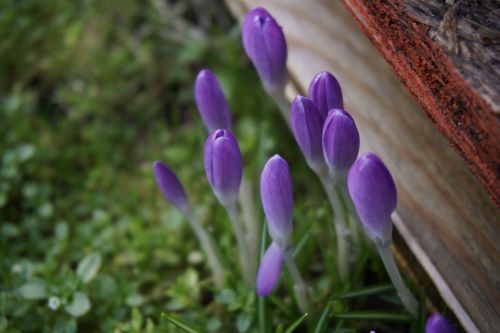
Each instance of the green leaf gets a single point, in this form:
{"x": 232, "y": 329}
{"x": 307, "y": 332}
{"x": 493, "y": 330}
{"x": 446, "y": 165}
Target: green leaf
{"x": 368, "y": 291}
{"x": 375, "y": 315}
{"x": 34, "y": 289}
{"x": 80, "y": 305}
{"x": 323, "y": 319}
{"x": 89, "y": 266}
{"x": 243, "y": 322}
{"x": 213, "y": 325}
{"x": 296, "y": 323}
{"x": 179, "y": 324}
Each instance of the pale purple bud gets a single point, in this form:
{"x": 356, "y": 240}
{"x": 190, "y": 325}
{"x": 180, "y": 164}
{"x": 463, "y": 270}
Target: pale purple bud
{"x": 269, "y": 270}
{"x": 223, "y": 165}
{"x": 439, "y": 324}
{"x": 170, "y": 186}
{"x": 265, "y": 45}
{"x": 211, "y": 102}
{"x": 307, "y": 124}
{"x": 325, "y": 92}
{"x": 277, "y": 198}
{"x": 340, "y": 142}
{"x": 373, "y": 193}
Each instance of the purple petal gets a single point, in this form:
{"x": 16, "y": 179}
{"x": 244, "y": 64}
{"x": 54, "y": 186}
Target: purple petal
{"x": 223, "y": 165}
{"x": 211, "y": 102}
{"x": 265, "y": 45}
{"x": 325, "y": 92}
{"x": 277, "y": 198}
{"x": 373, "y": 192}
{"x": 170, "y": 186}
{"x": 269, "y": 270}
{"x": 307, "y": 126}
{"x": 340, "y": 142}
{"x": 439, "y": 324}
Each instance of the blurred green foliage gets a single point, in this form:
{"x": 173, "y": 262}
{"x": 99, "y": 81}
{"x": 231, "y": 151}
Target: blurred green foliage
{"x": 91, "y": 93}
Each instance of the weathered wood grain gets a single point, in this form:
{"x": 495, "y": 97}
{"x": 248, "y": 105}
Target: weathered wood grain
{"x": 440, "y": 68}
{"x": 444, "y": 215}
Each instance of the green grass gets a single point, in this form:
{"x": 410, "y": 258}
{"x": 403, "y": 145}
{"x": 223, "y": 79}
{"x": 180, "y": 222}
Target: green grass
{"x": 91, "y": 93}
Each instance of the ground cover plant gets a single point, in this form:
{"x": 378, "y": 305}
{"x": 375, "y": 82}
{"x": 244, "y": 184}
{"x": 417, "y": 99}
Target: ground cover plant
{"x": 91, "y": 93}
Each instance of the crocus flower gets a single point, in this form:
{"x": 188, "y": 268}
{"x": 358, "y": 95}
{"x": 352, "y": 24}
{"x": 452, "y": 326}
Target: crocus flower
{"x": 211, "y": 102}
{"x": 265, "y": 45}
{"x": 307, "y": 124}
{"x": 269, "y": 270}
{"x": 325, "y": 92}
{"x": 439, "y": 324}
{"x": 170, "y": 186}
{"x": 277, "y": 199}
{"x": 340, "y": 142}
{"x": 373, "y": 192}
{"x": 223, "y": 165}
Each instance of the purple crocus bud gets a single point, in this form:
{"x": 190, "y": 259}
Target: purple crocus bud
{"x": 269, "y": 270}
{"x": 265, "y": 45}
{"x": 373, "y": 193}
{"x": 325, "y": 92}
{"x": 307, "y": 124}
{"x": 439, "y": 324}
{"x": 211, "y": 102}
{"x": 277, "y": 199}
{"x": 340, "y": 142}
{"x": 223, "y": 165}
{"x": 170, "y": 186}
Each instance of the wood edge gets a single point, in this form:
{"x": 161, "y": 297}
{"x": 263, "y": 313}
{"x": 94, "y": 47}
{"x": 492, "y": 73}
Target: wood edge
{"x": 483, "y": 159}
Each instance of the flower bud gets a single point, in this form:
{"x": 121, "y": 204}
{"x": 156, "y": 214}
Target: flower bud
{"x": 325, "y": 92}
{"x": 277, "y": 199}
{"x": 265, "y": 45}
{"x": 170, "y": 186}
{"x": 269, "y": 270}
{"x": 373, "y": 193}
{"x": 439, "y": 324}
{"x": 340, "y": 142}
{"x": 223, "y": 165}
{"x": 211, "y": 102}
{"x": 307, "y": 124}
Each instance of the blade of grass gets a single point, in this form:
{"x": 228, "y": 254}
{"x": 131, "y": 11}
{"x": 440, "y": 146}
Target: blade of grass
{"x": 323, "y": 320}
{"x": 367, "y": 291}
{"x": 179, "y": 324}
{"x": 375, "y": 315}
{"x": 296, "y": 323}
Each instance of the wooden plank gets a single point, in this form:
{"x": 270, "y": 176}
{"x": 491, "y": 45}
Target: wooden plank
{"x": 444, "y": 215}
{"x": 448, "y": 56}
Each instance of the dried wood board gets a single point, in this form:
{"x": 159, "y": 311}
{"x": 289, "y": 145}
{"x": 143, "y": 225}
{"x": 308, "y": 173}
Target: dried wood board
{"x": 444, "y": 215}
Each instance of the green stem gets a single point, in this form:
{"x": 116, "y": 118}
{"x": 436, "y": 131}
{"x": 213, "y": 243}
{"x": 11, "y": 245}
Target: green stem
{"x": 249, "y": 219}
{"x": 247, "y": 266}
{"x": 410, "y": 303}
{"x": 299, "y": 285}
{"x": 278, "y": 95}
{"x": 340, "y": 227}
{"x": 208, "y": 247}
{"x": 355, "y": 220}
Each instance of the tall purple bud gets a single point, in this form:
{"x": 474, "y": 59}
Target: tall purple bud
{"x": 170, "y": 186}
{"x": 265, "y": 45}
{"x": 223, "y": 165}
{"x": 277, "y": 199}
{"x": 439, "y": 324}
{"x": 325, "y": 92}
{"x": 307, "y": 124}
{"x": 211, "y": 102}
{"x": 340, "y": 142}
{"x": 269, "y": 270}
{"x": 373, "y": 192}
